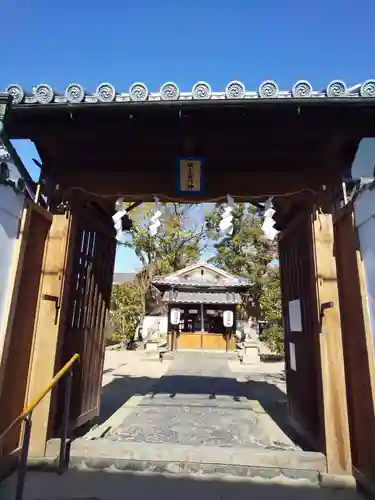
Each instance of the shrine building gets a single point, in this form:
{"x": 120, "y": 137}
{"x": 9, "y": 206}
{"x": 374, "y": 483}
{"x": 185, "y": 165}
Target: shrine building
{"x": 202, "y": 293}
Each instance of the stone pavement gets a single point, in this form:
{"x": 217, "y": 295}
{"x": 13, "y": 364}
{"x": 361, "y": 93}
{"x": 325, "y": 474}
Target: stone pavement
{"x": 205, "y": 430}
{"x": 199, "y": 402}
{"x": 199, "y": 412}
{"x": 127, "y": 377}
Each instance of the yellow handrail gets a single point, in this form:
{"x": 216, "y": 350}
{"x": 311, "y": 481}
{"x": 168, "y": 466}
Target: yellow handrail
{"x": 26, "y": 412}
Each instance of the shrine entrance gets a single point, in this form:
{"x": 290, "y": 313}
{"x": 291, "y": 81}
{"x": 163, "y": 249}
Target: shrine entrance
{"x": 293, "y": 146}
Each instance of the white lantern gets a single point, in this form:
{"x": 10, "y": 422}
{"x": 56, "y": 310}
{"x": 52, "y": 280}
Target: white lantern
{"x": 175, "y": 316}
{"x": 228, "y": 319}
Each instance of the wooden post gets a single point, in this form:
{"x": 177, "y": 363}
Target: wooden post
{"x": 227, "y": 337}
{"x": 202, "y": 317}
{"x": 336, "y": 428}
{"x": 47, "y": 327}
{"x": 357, "y": 343}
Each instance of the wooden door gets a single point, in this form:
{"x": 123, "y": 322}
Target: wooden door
{"x": 88, "y": 301}
{"x": 315, "y": 374}
{"x": 20, "y": 330}
{"x": 302, "y": 355}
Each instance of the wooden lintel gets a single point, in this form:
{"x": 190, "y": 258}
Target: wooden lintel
{"x": 287, "y": 161}
{"x": 336, "y": 426}
{"x": 220, "y": 152}
{"x": 141, "y": 185}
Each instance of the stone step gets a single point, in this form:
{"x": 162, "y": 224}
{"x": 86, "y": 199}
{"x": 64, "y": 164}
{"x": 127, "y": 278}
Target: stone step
{"x": 105, "y": 454}
{"x": 88, "y": 484}
{"x": 208, "y": 353}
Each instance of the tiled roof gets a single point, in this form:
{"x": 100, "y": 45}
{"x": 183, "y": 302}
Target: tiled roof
{"x": 197, "y": 282}
{"x": 138, "y": 92}
{"x": 225, "y": 279}
{"x": 202, "y": 297}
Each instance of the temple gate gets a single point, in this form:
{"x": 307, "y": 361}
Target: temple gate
{"x": 295, "y": 146}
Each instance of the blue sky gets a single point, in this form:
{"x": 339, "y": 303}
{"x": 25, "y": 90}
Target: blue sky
{"x": 157, "y": 41}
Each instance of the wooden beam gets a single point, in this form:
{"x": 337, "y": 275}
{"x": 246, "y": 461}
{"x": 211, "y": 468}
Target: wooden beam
{"x": 214, "y": 166}
{"x": 35, "y": 122}
{"x": 336, "y": 427}
{"x": 233, "y": 146}
{"x": 143, "y": 185}
{"x": 231, "y": 142}
{"x": 158, "y": 137}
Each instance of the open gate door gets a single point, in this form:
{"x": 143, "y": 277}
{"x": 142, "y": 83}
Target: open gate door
{"x": 314, "y": 348}
{"x": 74, "y": 298}
{"x": 87, "y": 305}
{"x": 19, "y": 339}
{"x": 301, "y": 341}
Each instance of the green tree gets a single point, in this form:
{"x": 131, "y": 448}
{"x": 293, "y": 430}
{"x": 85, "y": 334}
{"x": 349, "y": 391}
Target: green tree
{"x": 245, "y": 252}
{"x": 180, "y": 241}
{"x": 125, "y": 311}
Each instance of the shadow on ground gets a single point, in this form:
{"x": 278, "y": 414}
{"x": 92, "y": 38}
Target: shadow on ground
{"x": 103, "y": 485}
{"x": 117, "y": 392}
{"x": 197, "y": 390}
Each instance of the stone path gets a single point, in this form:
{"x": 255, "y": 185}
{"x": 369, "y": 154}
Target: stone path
{"x": 127, "y": 377}
{"x": 197, "y": 414}
{"x": 200, "y": 402}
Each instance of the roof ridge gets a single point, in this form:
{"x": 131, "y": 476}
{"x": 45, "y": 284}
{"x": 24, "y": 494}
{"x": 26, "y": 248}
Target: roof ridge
{"x": 106, "y": 92}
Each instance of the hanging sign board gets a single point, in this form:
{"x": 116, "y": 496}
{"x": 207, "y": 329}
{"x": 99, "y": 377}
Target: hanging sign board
{"x": 228, "y": 319}
{"x": 189, "y": 176}
{"x": 175, "y": 316}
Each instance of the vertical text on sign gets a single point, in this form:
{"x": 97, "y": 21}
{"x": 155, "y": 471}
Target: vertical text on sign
{"x": 189, "y": 175}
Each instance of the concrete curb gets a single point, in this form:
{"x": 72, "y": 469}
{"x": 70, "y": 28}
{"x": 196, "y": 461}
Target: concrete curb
{"x": 109, "y": 449}
{"x": 187, "y": 460}
{"x": 177, "y": 468}
{"x": 311, "y": 477}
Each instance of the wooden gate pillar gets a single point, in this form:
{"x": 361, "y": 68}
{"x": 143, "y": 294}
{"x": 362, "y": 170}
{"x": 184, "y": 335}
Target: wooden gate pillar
{"x": 50, "y": 317}
{"x": 357, "y": 343}
{"x": 336, "y": 427}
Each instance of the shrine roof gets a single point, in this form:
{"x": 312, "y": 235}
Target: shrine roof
{"x": 202, "y": 275}
{"x": 223, "y": 298}
{"x": 302, "y": 90}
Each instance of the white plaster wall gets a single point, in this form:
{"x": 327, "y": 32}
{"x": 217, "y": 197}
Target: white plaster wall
{"x": 197, "y": 275}
{"x": 364, "y": 208}
{"x": 11, "y": 205}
